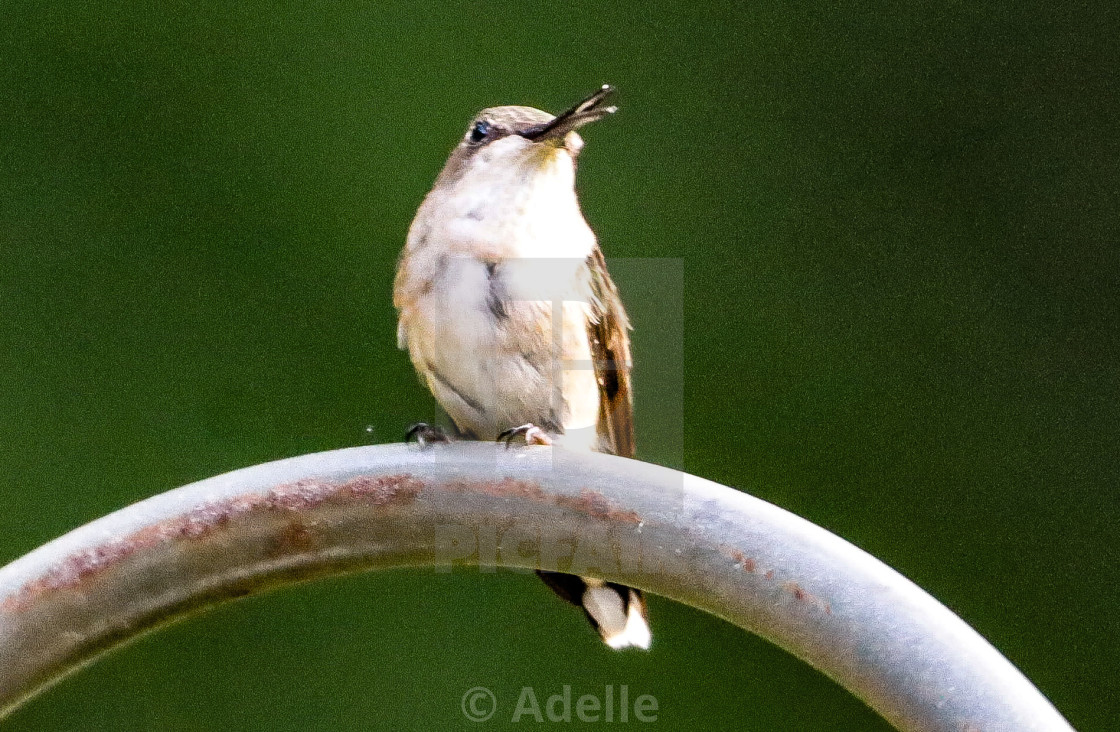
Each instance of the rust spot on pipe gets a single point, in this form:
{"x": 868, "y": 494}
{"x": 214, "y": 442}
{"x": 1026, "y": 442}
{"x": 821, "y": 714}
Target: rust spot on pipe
{"x": 799, "y": 593}
{"x": 597, "y": 505}
{"x": 203, "y": 520}
{"x": 802, "y": 595}
{"x": 589, "y": 502}
{"x": 747, "y": 563}
{"x": 294, "y": 538}
{"x": 503, "y": 488}
{"x": 380, "y": 491}
{"x": 383, "y": 491}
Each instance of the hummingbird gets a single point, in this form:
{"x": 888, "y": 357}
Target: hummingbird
{"x": 510, "y": 317}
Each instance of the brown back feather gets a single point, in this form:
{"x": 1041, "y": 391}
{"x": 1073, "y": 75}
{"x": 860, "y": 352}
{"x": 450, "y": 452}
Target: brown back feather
{"x": 610, "y": 350}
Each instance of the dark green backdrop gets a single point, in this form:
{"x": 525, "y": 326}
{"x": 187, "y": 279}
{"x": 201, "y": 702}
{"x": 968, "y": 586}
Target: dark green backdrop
{"x": 899, "y": 236}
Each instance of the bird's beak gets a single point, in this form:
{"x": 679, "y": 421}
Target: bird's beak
{"x": 588, "y": 110}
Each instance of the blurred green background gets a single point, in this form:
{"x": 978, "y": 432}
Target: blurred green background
{"x": 899, "y": 234}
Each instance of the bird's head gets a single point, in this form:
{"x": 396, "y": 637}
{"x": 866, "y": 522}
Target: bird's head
{"x": 516, "y": 143}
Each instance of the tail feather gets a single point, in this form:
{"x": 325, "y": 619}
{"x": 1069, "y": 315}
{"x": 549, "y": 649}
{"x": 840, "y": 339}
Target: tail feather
{"x": 617, "y": 612}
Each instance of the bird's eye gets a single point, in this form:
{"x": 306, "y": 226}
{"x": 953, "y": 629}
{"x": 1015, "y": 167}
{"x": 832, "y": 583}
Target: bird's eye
{"x": 480, "y": 131}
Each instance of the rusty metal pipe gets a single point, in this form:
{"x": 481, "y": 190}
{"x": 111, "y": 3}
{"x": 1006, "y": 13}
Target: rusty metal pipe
{"x": 667, "y": 532}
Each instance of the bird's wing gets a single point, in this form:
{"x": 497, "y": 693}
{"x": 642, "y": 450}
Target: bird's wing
{"x": 608, "y": 331}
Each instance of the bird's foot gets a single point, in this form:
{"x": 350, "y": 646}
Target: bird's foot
{"x": 532, "y": 434}
{"x": 425, "y": 434}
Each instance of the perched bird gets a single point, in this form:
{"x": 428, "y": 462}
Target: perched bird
{"x": 510, "y": 317}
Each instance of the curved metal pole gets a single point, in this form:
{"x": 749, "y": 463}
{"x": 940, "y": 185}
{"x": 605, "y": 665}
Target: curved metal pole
{"x": 670, "y": 533}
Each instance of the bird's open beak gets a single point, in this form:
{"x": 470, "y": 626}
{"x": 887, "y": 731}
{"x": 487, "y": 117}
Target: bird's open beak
{"x": 588, "y": 110}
